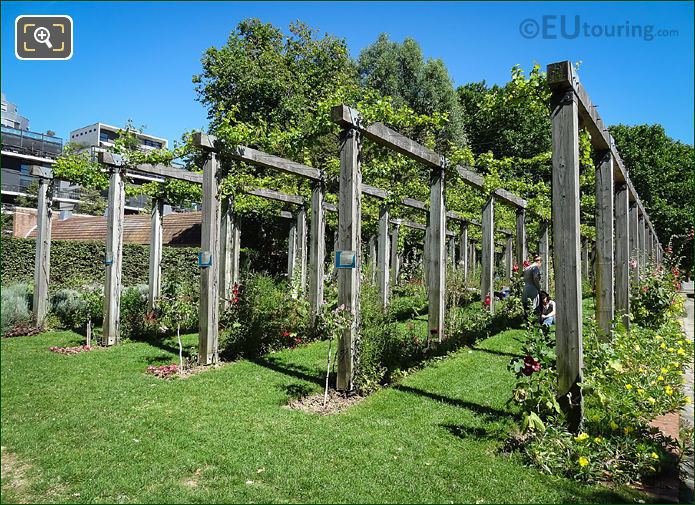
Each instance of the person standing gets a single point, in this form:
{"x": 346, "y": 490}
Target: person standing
{"x": 532, "y": 284}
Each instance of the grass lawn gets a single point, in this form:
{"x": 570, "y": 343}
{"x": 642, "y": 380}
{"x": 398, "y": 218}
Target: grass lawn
{"x": 94, "y": 428}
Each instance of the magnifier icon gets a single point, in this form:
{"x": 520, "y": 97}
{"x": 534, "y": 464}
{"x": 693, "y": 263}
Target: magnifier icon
{"x": 43, "y": 36}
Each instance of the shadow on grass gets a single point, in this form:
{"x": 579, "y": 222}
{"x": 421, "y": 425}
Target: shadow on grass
{"x": 465, "y": 432}
{"x": 296, "y": 371}
{"x": 455, "y": 402}
{"x": 497, "y": 353}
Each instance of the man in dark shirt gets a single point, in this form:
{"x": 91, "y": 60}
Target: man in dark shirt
{"x": 532, "y": 283}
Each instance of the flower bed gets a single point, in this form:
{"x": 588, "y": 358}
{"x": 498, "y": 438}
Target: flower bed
{"x": 163, "y": 371}
{"x": 70, "y": 351}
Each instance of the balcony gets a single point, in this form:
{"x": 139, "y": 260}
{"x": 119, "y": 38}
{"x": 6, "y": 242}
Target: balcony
{"x": 31, "y": 143}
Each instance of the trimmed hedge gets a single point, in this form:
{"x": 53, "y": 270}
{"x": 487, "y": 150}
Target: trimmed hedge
{"x": 82, "y": 261}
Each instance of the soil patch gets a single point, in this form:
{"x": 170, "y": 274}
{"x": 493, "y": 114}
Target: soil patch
{"x": 317, "y": 404}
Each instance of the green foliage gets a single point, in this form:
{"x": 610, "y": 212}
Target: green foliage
{"x": 74, "y": 307}
{"x": 15, "y": 305}
{"x": 654, "y": 293}
{"x": 135, "y": 322}
{"x": 74, "y": 263}
{"x": 265, "y": 317}
{"x": 663, "y": 173}
{"x": 178, "y": 306}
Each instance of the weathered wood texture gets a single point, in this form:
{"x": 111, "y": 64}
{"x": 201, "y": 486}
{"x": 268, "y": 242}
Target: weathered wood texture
{"x": 622, "y": 254}
{"x": 301, "y": 249}
{"x": 508, "y": 257}
{"x": 155, "y": 272}
{"x": 317, "y": 249}
{"x": 349, "y": 226}
{"x": 42, "y": 259}
{"x": 437, "y": 255}
{"x": 544, "y": 252}
{"x": 395, "y": 257}
{"x": 292, "y": 249}
{"x": 487, "y": 276}
{"x": 451, "y": 253}
{"x": 384, "y": 256}
{"x": 373, "y": 265}
{"x": 634, "y": 242}
{"x": 521, "y": 253}
{"x": 566, "y": 238}
{"x": 463, "y": 250}
{"x": 605, "y": 277}
{"x": 208, "y": 317}
{"x": 642, "y": 230}
{"x": 114, "y": 255}
{"x": 230, "y": 245}
{"x": 585, "y": 259}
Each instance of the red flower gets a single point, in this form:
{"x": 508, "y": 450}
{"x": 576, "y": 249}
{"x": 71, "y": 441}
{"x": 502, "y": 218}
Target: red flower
{"x": 488, "y": 301}
{"x": 526, "y": 263}
{"x": 515, "y": 268}
{"x": 645, "y": 288}
{"x": 285, "y": 333}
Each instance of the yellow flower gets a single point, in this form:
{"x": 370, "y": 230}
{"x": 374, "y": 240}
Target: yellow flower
{"x": 663, "y": 345}
{"x": 660, "y": 378}
{"x": 681, "y": 352}
{"x": 659, "y": 337}
{"x": 614, "y": 425}
{"x": 655, "y": 455}
{"x": 688, "y": 400}
{"x": 637, "y": 347}
{"x": 598, "y": 440}
{"x": 651, "y": 400}
{"x": 668, "y": 389}
{"x": 581, "y": 437}
{"x": 583, "y": 461}
{"x": 628, "y": 386}
{"x": 627, "y": 430}
{"x": 671, "y": 349}
{"x": 640, "y": 391}
{"x": 664, "y": 370}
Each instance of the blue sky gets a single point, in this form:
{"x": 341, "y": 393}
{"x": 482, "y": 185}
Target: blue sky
{"x": 134, "y": 60}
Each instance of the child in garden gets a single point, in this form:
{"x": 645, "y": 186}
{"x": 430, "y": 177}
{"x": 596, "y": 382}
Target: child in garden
{"x": 547, "y": 307}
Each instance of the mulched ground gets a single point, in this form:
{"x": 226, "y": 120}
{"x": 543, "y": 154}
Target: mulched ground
{"x": 337, "y": 402}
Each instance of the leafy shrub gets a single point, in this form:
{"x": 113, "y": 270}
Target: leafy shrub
{"x": 178, "y": 306}
{"x": 136, "y": 322}
{"x": 654, "y": 293}
{"x": 265, "y": 317}
{"x": 16, "y": 300}
{"x": 628, "y": 381}
{"x": 74, "y": 308}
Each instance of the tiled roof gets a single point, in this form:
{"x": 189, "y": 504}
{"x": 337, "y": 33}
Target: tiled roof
{"x": 178, "y": 228}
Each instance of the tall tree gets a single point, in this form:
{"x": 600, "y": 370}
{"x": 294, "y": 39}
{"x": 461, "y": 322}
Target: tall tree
{"x": 663, "y": 173}
{"x": 401, "y": 72}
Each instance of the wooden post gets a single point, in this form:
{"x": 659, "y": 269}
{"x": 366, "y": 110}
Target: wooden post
{"x": 317, "y": 253}
{"x": 452, "y": 251}
{"x": 648, "y": 244}
{"x": 301, "y": 248}
{"x": 641, "y": 229}
{"x": 42, "y": 259}
{"x": 509, "y": 257}
{"x": 395, "y": 257}
{"x": 487, "y": 276}
{"x": 230, "y": 243}
{"x": 544, "y": 252}
{"x": 463, "y": 250}
{"x": 209, "y": 275}
{"x": 349, "y": 226}
{"x": 521, "y": 252}
{"x": 622, "y": 253}
{"x": 384, "y": 255}
{"x": 426, "y": 254}
{"x": 474, "y": 258}
{"x": 437, "y": 255}
{"x": 585, "y": 259}
{"x": 114, "y": 255}
{"x": 634, "y": 241}
{"x": 156, "y": 239}
{"x": 291, "y": 251}
{"x": 568, "y": 283}
{"x": 372, "y": 257}
{"x": 604, "y": 273}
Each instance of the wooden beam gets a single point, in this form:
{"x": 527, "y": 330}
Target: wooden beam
{"x": 634, "y": 241}
{"x": 622, "y": 254}
{"x": 317, "y": 249}
{"x": 410, "y": 224}
{"x": 566, "y": 235}
{"x": 463, "y": 252}
{"x": 114, "y": 255}
{"x": 437, "y": 255}
{"x": 487, "y": 277}
{"x": 521, "y": 253}
{"x": 349, "y": 232}
{"x": 271, "y": 194}
{"x": 642, "y": 230}
{"x": 544, "y": 253}
{"x": 230, "y": 243}
{"x": 395, "y": 258}
{"x": 208, "y": 317}
{"x": 605, "y": 277}
{"x": 301, "y": 248}
{"x": 42, "y": 259}
{"x": 265, "y": 160}
{"x": 156, "y": 240}
{"x": 292, "y": 250}
{"x": 385, "y": 136}
{"x": 116, "y": 160}
{"x": 383, "y": 256}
